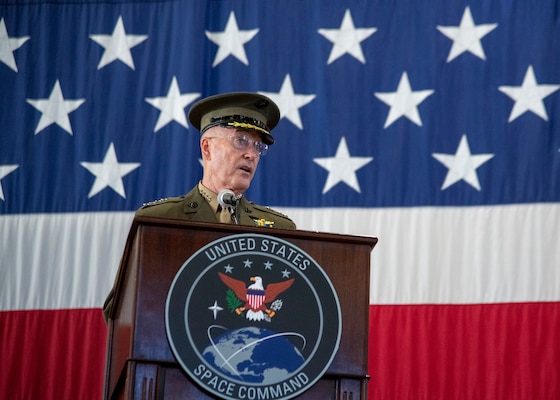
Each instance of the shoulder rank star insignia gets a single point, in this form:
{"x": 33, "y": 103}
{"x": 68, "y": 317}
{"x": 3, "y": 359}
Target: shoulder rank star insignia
{"x": 154, "y": 202}
{"x": 255, "y": 297}
{"x": 264, "y": 222}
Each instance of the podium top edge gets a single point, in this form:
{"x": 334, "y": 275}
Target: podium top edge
{"x": 235, "y": 229}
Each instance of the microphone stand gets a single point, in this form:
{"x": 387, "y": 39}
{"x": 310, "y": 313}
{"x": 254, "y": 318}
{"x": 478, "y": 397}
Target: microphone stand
{"x": 234, "y": 213}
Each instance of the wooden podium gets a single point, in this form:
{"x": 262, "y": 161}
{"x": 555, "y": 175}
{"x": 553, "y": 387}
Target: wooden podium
{"x": 140, "y": 363}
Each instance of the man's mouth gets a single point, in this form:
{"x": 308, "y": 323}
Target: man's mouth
{"x": 246, "y": 169}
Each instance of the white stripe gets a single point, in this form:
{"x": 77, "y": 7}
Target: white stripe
{"x": 52, "y": 261}
{"x": 453, "y": 255}
{"x": 459, "y": 255}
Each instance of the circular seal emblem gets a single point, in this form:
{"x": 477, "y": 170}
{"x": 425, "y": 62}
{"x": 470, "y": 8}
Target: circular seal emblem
{"x": 254, "y": 317}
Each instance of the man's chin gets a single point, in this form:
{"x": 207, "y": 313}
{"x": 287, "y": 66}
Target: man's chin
{"x": 240, "y": 186}
{"x": 242, "y": 181}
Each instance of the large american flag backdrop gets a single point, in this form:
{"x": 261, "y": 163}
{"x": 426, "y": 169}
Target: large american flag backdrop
{"x": 434, "y": 126}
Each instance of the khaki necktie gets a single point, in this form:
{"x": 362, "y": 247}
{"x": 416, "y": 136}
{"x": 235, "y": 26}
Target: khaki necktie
{"x": 224, "y": 215}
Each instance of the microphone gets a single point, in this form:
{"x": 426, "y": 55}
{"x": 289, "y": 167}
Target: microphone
{"x": 228, "y": 199}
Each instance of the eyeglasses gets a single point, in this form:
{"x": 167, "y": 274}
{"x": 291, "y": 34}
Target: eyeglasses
{"x": 243, "y": 143}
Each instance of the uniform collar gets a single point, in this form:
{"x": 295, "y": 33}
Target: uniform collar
{"x": 209, "y": 196}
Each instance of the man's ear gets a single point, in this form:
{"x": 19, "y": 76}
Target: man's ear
{"x": 205, "y": 148}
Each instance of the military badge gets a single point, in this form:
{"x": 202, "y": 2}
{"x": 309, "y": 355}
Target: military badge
{"x": 264, "y": 222}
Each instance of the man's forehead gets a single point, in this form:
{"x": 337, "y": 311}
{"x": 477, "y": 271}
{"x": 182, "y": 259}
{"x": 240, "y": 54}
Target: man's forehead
{"x": 227, "y": 131}
{"x": 246, "y": 132}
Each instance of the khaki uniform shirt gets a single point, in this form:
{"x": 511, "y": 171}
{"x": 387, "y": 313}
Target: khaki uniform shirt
{"x": 197, "y": 207}
{"x": 194, "y": 206}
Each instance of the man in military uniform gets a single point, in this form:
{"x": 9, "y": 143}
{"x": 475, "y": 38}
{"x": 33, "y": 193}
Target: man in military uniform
{"x": 235, "y": 133}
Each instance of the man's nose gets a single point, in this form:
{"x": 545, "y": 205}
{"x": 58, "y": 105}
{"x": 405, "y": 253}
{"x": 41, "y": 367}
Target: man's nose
{"x": 251, "y": 152}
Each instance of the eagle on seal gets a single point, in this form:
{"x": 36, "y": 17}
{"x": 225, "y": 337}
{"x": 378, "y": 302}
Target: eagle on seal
{"x": 255, "y": 296}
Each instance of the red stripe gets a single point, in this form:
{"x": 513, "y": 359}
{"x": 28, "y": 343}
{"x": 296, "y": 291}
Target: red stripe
{"x": 460, "y": 352}
{"x": 494, "y": 351}
{"x": 255, "y": 300}
{"x": 53, "y": 354}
